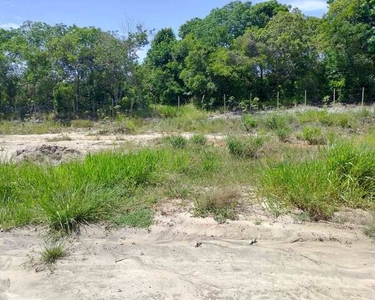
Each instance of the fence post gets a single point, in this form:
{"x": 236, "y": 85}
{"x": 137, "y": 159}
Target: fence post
{"x": 278, "y": 100}
{"x": 334, "y": 96}
{"x": 251, "y": 99}
{"x": 178, "y": 102}
{"x": 225, "y": 103}
{"x": 363, "y": 96}
{"x": 305, "y": 97}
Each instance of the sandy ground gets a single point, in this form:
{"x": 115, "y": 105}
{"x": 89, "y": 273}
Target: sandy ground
{"x": 79, "y": 141}
{"x": 290, "y": 260}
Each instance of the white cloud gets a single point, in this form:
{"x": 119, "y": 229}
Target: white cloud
{"x": 9, "y": 25}
{"x": 309, "y": 5}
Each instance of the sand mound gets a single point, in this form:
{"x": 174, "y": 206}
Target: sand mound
{"x": 47, "y": 154}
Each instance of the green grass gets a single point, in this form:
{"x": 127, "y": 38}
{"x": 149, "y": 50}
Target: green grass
{"x": 122, "y": 189}
{"x": 244, "y": 147}
{"x": 342, "y": 175}
{"x": 313, "y": 135}
{"x": 220, "y": 204}
{"x": 176, "y": 141}
{"x": 119, "y": 188}
{"x": 52, "y": 253}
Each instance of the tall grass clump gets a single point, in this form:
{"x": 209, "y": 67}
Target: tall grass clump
{"x": 177, "y": 141}
{"x": 279, "y": 124}
{"x": 198, "y": 140}
{"x": 343, "y": 175}
{"x": 244, "y": 147}
{"x": 249, "y": 122}
{"x": 313, "y": 135}
{"x": 220, "y": 204}
{"x": 80, "y": 192}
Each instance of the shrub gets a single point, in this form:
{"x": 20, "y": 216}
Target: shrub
{"x": 313, "y": 135}
{"x": 244, "y": 147}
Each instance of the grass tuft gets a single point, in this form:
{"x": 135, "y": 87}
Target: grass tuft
{"x": 177, "y": 141}
{"x": 220, "y": 204}
{"x": 53, "y": 253}
{"x": 244, "y": 147}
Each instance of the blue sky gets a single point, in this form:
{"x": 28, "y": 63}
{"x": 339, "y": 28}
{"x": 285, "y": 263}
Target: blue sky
{"x": 110, "y": 14}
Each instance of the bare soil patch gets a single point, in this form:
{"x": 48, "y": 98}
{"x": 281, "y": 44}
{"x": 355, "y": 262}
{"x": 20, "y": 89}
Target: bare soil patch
{"x": 291, "y": 260}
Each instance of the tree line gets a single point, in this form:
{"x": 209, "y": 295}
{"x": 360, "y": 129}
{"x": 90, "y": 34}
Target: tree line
{"x": 241, "y": 51}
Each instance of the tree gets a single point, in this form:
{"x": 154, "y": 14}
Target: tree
{"x": 348, "y": 41}
{"x": 164, "y": 82}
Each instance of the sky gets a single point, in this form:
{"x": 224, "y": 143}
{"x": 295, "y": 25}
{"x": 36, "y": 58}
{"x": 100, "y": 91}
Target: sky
{"x": 113, "y": 14}
{"x": 110, "y": 14}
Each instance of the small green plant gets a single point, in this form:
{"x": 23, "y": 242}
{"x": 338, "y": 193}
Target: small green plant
{"x": 249, "y": 122}
{"x": 244, "y": 147}
{"x": 198, "y": 139}
{"x": 177, "y": 141}
{"x": 220, "y": 204}
{"x": 313, "y": 135}
{"x": 52, "y": 253}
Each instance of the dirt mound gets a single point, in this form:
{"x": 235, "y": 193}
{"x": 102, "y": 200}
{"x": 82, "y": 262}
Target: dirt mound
{"x": 47, "y": 154}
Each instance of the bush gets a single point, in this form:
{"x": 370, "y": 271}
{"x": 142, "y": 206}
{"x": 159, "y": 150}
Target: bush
{"x": 244, "y": 147}
{"x": 313, "y": 135}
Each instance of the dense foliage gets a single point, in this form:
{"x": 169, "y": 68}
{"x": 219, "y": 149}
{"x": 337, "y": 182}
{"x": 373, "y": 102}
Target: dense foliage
{"x": 249, "y": 53}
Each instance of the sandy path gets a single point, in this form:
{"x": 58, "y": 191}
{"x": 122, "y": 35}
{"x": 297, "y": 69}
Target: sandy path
{"x": 290, "y": 261}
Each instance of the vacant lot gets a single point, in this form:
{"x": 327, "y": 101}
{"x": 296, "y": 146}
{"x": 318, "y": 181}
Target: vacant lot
{"x": 274, "y": 205}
